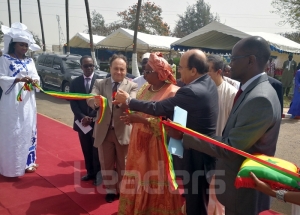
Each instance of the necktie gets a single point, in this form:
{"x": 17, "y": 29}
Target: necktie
{"x": 239, "y": 92}
{"x": 114, "y": 90}
{"x": 87, "y": 85}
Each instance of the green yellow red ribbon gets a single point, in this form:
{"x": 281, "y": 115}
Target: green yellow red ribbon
{"x": 237, "y": 151}
{"x": 102, "y": 107}
{"x": 168, "y": 159}
{"x": 25, "y": 87}
{"x": 129, "y": 111}
{"x": 68, "y": 96}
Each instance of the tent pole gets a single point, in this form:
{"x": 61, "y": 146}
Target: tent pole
{"x": 135, "y": 68}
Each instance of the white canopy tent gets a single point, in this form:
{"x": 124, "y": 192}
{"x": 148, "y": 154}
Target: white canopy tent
{"x": 217, "y": 37}
{"x": 82, "y": 40}
{"x": 122, "y": 39}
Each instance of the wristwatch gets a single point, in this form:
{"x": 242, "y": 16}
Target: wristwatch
{"x": 280, "y": 195}
{"x": 127, "y": 101}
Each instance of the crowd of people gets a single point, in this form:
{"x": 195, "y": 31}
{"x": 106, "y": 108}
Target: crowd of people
{"x": 237, "y": 104}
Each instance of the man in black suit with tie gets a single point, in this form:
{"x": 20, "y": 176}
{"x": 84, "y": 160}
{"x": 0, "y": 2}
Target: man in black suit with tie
{"x": 85, "y": 115}
{"x": 199, "y": 97}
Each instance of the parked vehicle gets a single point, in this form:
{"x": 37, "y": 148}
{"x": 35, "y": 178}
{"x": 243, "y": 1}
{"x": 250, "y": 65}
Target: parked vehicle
{"x": 57, "y": 71}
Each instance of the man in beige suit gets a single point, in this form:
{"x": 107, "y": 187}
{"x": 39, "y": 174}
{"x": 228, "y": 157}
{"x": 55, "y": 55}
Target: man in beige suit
{"x": 112, "y": 135}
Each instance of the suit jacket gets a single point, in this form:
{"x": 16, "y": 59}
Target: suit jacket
{"x": 80, "y": 107}
{"x": 277, "y": 85}
{"x": 253, "y": 126}
{"x": 199, "y": 99}
{"x": 122, "y": 131}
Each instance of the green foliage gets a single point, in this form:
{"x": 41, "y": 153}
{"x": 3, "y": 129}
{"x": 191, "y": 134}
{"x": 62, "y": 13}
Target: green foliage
{"x": 288, "y": 10}
{"x": 176, "y": 61}
{"x": 150, "y": 22}
{"x": 98, "y": 23}
{"x": 195, "y": 17}
{"x": 38, "y": 40}
{"x": 295, "y": 36}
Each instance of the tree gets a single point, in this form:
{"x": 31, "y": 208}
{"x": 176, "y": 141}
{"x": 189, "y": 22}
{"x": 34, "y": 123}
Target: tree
{"x": 294, "y": 36}
{"x": 99, "y": 27}
{"x": 1, "y": 33}
{"x": 151, "y": 21}
{"x": 98, "y": 23}
{"x": 38, "y": 40}
{"x": 289, "y": 10}
{"x": 195, "y": 17}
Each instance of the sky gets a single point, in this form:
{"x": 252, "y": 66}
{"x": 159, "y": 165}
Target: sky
{"x": 245, "y": 15}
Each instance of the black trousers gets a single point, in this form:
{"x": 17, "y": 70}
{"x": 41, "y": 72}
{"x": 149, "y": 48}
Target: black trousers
{"x": 196, "y": 190}
{"x": 90, "y": 153}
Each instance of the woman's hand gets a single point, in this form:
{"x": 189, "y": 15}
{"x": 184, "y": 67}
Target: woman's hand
{"x": 133, "y": 118}
{"x": 262, "y": 186}
{"x": 27, "y": 80}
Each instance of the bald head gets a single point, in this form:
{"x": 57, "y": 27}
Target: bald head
{"x": 257, "y": 46}
{"x": 196, "y": 59}
{"x": 193, "y": 64}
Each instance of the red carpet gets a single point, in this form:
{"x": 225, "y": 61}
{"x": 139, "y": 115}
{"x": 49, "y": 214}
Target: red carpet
{"x": 55, "y": 188}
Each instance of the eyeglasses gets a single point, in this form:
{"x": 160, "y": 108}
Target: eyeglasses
{"x": 147, "y": 72}
{"x": 88, "y": 65}
{"x": 239, "y": 57}
{"x": 182, "y": 67}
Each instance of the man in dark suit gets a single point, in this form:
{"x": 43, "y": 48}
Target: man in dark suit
{"x": 199, "y": 97}
{"x": 85, "y": 115}
{"x": 253, "y": 126}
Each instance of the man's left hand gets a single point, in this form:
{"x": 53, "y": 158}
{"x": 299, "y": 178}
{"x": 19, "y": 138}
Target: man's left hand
{"x": 86, "y": 121}
{"x": 172, "y": 132}
{"x": 121, "y": 97}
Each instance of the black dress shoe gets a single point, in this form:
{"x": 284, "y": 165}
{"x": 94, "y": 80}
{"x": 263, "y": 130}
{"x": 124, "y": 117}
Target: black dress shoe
{"x": 87, "y": 178}
{"x": 110, "y": 197}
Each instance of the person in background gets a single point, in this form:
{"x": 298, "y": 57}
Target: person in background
{"x": 85, "y": 115}
{"x": 270, "y": 68}
{"x": 289, "y": 69}
{"x": 227, "y": 76}
{"x": 298, "y": 67}
{"x": 198, "y": 98}
{"x": 295, "y": 105}
{"x": 18, "y": 119}
{"x": 226, "y": 95}
{"x": 141, "y": 80}
{"x": 252, "y": 126}
{"x": 112, "y": 135}
{"x": 173, "y": 66}
{"x": 145, "y": 152}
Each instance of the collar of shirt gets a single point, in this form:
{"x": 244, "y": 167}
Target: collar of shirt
{"x": 112, "y": 82}
{"x": 91, "y": 76}
{"x": 196, "y": 79}
{"x": 244, "y": 86}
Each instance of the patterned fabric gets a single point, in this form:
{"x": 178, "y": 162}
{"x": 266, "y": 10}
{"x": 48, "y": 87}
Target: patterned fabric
{"x": 18, "y": 119}
{"x": 162, "y": 67}
{"x": 145, "y": 188}
{"x": 32, "y": 150}
{"x": 16, "y": 65}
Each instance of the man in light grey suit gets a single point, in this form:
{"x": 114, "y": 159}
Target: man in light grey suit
{"x": 112, "y": 135}
{"x": 253, "y": 126}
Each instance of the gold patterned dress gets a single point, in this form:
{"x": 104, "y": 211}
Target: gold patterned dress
{"x": 145, "y": 188}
